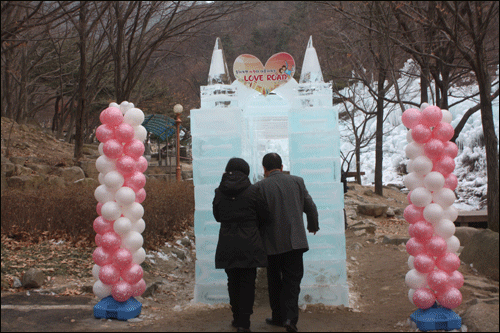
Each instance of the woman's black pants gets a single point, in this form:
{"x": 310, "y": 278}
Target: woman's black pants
{"x": 241, "y": 287}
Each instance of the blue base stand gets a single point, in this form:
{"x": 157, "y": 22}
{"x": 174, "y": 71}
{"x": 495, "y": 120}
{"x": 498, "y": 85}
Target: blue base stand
{"x": 108, "y": 308}
{"x": 436, "y": 318}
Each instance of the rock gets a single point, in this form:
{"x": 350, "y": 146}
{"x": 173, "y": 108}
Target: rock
{"x": 25, "y": 160}
{"x": 4, "y": 159}
{"x": 395, "y": 240}
{"x": 33, "y": 278}
{"x": 372, "y": 209}
{"x": 40, "y": 168}
{"x": 56, "y": 181}
{"x": 360, "y": 232}
{"x": 70, "y": 174}
{"x": 390, "y": 212}
{"x": 369, "y": 193}
{"x": 178, "y": 253}
{"x": 20, "y": 170}
{"x": 482, "y": 252}
{"x": 481, "y": 317}
{"x": 151, "y": 289}
{"x": 17, "y": 283}
{"x": 89, "y": 169}
{"x": 367, "y": 227}
{"x": 25, "y": 182}
{"x": 465, "y": 234}
{"x": 480, "y": 284}
{"x": 88, "y": 182}
{"x": 356, "y": 246}
{"x": 8, "y": 169}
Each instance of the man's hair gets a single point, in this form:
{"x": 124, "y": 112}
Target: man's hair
{"x": 271, "y": 161}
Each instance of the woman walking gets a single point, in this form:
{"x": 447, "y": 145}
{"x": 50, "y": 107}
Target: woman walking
{"x": 242, "y": 211}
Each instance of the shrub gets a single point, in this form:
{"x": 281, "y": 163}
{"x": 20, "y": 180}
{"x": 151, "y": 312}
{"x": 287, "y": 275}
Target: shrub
{"x": 68, "y": 213}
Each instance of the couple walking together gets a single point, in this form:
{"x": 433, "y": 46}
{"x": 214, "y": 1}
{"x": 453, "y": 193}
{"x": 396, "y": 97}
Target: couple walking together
{"x": 262, "y": 226}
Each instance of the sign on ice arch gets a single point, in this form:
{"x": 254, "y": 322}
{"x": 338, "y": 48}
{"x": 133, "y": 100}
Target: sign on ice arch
{"x": 279, "y": 69}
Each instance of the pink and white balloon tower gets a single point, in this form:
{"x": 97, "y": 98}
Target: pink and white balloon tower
{"x": 119, "y": 225}
{"x": 432, "y": 247}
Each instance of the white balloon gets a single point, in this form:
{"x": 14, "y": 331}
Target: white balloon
{"x": 453, "y": 244}
{"x": 421, "y": 197}
{"x": 104, "y": 164}
{"x": 444, "y": 197}
{"x": 114, "y": 180}
{"x": 409, "y": 166}
{"x": 411, "y": 259}
{"x": 95, "y": 271}
{"x": 125, "y": 196}
{"x": 413, "y": 150}
{"x": 134, "y": 117}
{"x": 111, "y": 211}
{"x": 101, "y": 290}
{"x": 414, "y": 279}
{"x": 444, "y": 228}
{"x": 433, "y": 213}
{"x": 104, "y": 194}
{"x": 124, "y": 107}
{"x": 447, "y": 116}
{"x": 100, "y": 177}
{"x": 139, "y": 256}
{"x": 423, "y": 106}
{"x": 409, "y": 138}
{"x": 100, "y": 149}
{"x": 410, "y": 295}
{"x": 122, "y": 225}
{"x": 134, "y": 211}
{"x": 422, "y": 165}
{"x": 450, "y": 213}
{"x": 113, "y": 105}
{"x": 434, "y": 181}
{"x": 140, "y": 133}
{"x": 413, "y": 180}
{"x": 139, "y": 226}
{"x": 132, "y": 241}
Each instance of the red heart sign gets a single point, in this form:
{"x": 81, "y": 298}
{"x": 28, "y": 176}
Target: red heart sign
{"x": 278, "y": 70}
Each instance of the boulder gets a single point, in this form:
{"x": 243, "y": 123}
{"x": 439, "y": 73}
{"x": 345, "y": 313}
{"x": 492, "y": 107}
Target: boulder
{"x": 20, "y": 170}
{"x": 372, "y": 209}
{"x": 481, "y": 317}
{"x": 89, "y": 169}
{"x": 33, "y": 278}
{"x": 8, "y": 169}
{"x": 25, "y": 182}
{"x": 395, "y": 240}
{"x": 70, "y": 174}
{"x": 465, "y": 234}
{"x": 482, "y": 253}
{"x": 41, "y": 169}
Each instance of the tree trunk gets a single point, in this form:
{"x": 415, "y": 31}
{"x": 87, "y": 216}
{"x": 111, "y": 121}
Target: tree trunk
{"x": 357, "y": 151}
{"x": 380, "y": 131}
{"x": 82, "y": 83}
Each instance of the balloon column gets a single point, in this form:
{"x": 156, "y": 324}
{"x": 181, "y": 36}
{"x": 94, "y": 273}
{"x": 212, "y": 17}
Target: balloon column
{"x": 433, "y": 260}
{"x": 119, "y": 225}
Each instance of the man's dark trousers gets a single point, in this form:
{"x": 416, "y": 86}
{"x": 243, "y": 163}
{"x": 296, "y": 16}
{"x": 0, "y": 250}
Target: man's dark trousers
{"x": 284, "y": 273}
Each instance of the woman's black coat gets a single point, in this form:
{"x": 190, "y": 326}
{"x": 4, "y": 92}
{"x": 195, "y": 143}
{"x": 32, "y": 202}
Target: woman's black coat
{"x": 242, "y": 211}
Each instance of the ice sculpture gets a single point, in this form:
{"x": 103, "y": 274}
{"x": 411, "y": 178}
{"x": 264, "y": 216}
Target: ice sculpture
{"x": 298, "y": 122}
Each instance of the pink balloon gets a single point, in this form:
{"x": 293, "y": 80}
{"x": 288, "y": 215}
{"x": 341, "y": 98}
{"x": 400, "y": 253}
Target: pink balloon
{"x": 98, "y": 239}
{"x": 411, "y": 118}
{"x": 122, "y": 258}
{"x": 421, "y": 230}
{"x": 125, "y": 165}
{"x": 443, "y": 132}
{"x": 98, "y": 208}
{"x": 436, "y": 246}
{"x": 451, "y": 182}
{"x": 450, "y": 149}
{"x": 142, "y": 164}
{"x": 140, "y": 196}
{"x": 124, "y": 132}
{"x": 431, "y": 116}
{"x": 413, "y": 214}
{"x": 437, "y": 280}
{"x": 450, "y": 298}
{"x": 109, "y": 274}
{"x": 445, "y": 165}
{"x": 132, "y": 274}
{"x": 134, "y": 149}
{"x": 408, "y": 197}
{"x": 104, "y": 133}
{"x": 101, "y": 257}
{"x": 433, "y": 149}
{"x": 111, "y": 241}
{"x": 121, "y": 291}
{"x": 102, "y": 226}
{"x": 456, "y": 279}
{"x": 139, "y": 288}
{"x": 421, "y": 134}
{"x": 112, "y": 149}
{"x": 448, "y": 262}
{"x": 111, "y": 116}
{"x": 135, "y": 181}
{"x": 414, "y": 247}
{"x": 423, "y": 263}
{"x": 423, "y": 298}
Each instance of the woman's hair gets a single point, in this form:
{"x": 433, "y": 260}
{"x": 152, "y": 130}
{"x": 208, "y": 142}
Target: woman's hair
{"x": 238, "y": 164}
{"x": 271, "y": 161}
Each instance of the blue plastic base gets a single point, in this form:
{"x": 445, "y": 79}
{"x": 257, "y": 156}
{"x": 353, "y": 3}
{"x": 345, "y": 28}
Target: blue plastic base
{"x": 436, "y": 318}
{"x": 108, "y": 308}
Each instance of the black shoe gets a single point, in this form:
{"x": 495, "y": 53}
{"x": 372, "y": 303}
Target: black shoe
{"x": 233, "y": 323}
{"x": 271, "y": 321}
{"x": 289, "y": 326}
{"x": 241, "y": 329}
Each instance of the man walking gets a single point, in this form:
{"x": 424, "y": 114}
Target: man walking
{"x": 285, "y": 239}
